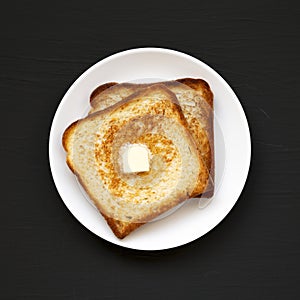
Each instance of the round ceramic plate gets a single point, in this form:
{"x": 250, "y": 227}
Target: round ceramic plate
{"x": 232, "y": 141}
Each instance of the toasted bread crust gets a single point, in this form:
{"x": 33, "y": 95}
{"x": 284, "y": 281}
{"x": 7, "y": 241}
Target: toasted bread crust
{"x": 119, "y": 228}
{"x": 199, "y": 85}
{"x": 149, "y": 89}
{"x": 66, "y": 140}
{"x": 101, "y": 88}
{"x": 67, "y": 133}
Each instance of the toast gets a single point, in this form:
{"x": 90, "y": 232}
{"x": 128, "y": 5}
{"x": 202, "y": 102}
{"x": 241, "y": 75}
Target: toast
{"x": 196, "y": 100}
{"x": 153, "y": 117}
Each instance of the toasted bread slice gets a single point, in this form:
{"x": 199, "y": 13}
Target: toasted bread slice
{"x": 151, "y": 117}
{"x": 196, "y": 100}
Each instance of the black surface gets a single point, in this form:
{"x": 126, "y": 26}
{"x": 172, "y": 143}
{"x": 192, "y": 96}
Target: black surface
{"x": 252, "y": 254}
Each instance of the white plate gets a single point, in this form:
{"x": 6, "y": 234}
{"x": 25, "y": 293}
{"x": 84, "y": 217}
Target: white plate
{"x": 189, "y": 222}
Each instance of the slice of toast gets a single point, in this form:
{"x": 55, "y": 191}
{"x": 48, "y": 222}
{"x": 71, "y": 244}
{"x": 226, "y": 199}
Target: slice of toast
{"x": 196, "y": 100}
{"x": 151, "y": 117}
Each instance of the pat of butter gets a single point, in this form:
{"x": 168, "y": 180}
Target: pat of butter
{"x": 135, "y": 158}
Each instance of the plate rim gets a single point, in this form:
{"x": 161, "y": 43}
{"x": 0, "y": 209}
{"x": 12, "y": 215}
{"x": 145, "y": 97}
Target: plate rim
{"x": 165, "y": 51}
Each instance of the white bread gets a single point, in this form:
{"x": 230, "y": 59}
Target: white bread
{"x": 151, "y": 116}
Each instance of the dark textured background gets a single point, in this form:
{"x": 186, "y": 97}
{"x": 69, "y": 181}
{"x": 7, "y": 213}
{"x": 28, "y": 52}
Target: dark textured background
{"x": 47, "y": 254}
